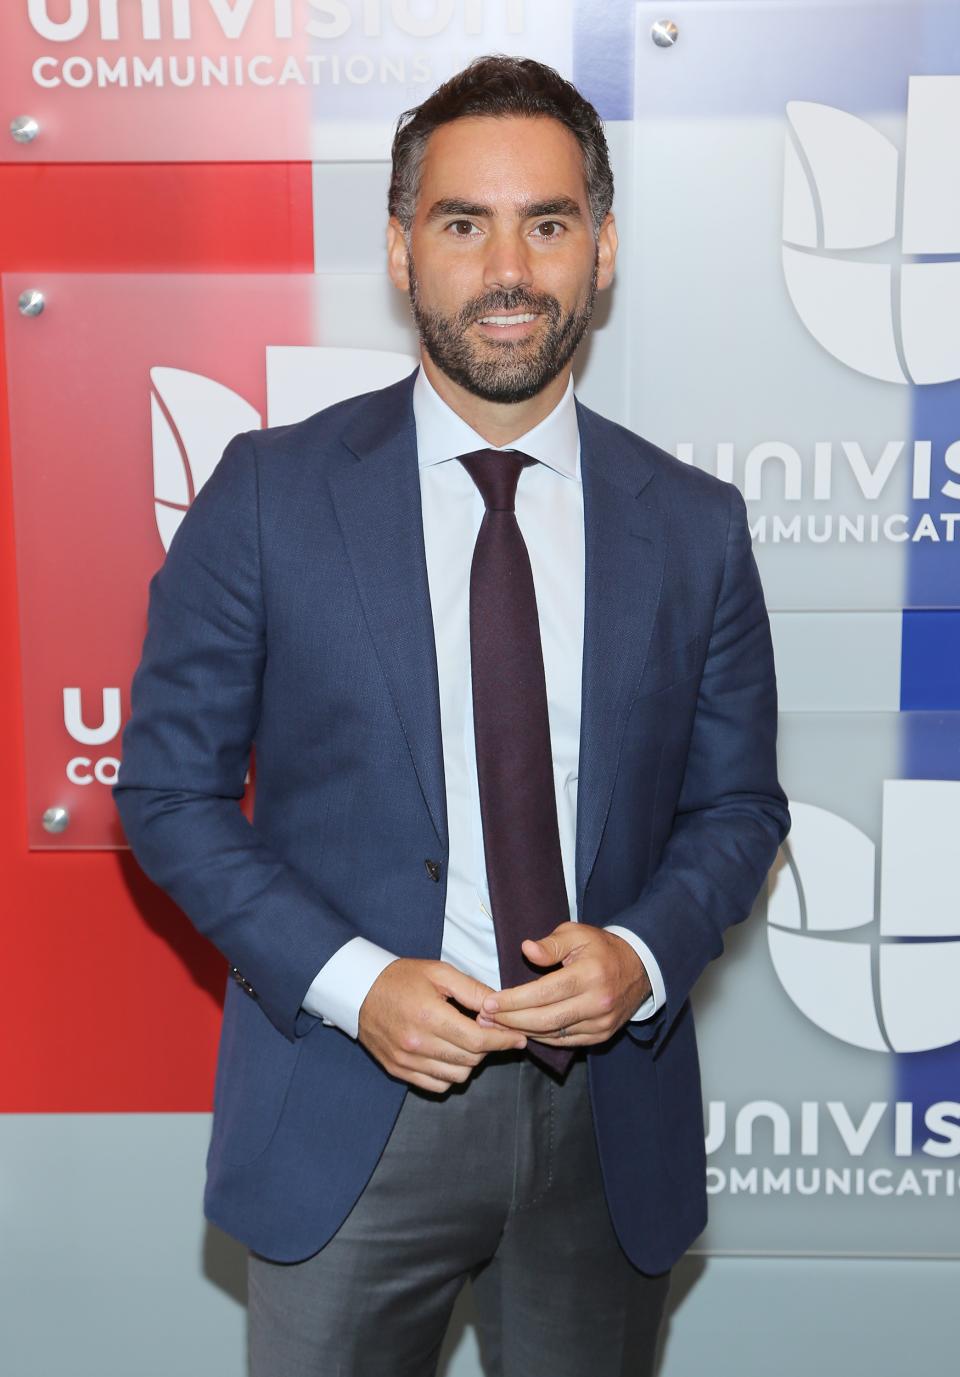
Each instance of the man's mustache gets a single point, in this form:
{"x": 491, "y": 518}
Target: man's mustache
{"x": 503, "y": 303}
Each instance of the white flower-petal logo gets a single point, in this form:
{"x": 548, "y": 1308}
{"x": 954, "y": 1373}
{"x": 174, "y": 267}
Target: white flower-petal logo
{"x": 879, "y": 975}
{"x": 192, "y": 419}
{"x": 894, "y": 320}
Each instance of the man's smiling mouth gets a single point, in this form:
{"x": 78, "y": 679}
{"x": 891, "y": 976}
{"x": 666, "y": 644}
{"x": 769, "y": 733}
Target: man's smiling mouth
{"x": 518, "y": 319}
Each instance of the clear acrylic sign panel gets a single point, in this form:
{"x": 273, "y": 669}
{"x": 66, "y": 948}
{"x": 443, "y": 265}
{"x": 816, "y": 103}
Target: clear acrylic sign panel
{"x": 795, "y": 284}
{"x": 829, "y": 1030}
{"x": 123, "y": 393}
{"x": 265, "y": 80}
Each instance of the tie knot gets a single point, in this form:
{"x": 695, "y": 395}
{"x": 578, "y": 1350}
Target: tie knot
{"x": 496, "y": 473}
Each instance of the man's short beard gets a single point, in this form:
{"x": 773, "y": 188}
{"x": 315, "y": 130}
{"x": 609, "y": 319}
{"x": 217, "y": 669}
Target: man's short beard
{"x": 507, "y": 370}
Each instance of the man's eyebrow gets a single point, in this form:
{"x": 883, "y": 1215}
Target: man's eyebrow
{"x": 557, "y": 205}
{"x": 452, "y": 206}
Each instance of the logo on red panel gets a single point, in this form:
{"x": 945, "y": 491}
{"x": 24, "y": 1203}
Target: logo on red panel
{"x": 194, "y": 417}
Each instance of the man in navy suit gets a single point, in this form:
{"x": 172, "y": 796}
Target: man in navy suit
{"x": 384, "y": 1127}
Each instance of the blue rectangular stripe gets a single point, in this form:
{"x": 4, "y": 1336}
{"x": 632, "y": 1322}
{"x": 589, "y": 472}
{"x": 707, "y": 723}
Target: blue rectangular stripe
{"x": 603, "y": 55}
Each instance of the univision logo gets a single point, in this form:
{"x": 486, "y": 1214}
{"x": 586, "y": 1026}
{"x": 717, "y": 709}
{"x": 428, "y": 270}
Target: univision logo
{"x": 883, "y": 976}
{"x": 194, "y": 417}
{"x": 329, "y": 19}
{"x": 897, "y": 321}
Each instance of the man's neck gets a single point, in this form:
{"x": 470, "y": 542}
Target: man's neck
{"x": 500, "y": 423}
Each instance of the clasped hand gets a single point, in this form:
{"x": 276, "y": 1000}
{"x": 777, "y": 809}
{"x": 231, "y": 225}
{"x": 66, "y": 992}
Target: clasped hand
{"x": 602, "y": 984}
{"x": 415, "y": 1019}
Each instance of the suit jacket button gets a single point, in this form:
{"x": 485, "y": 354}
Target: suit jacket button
{"x": 433, "y": 869}
{"x": 243, "y": 982}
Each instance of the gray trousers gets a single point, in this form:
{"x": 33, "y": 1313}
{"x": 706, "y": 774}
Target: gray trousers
{"x": 496, "y": 1181}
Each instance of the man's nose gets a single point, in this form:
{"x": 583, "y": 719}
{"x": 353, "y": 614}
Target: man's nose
{"x": 507, "y": 262}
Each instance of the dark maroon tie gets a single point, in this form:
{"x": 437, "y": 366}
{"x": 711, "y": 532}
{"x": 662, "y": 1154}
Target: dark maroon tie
{"x": 518, "y": 806}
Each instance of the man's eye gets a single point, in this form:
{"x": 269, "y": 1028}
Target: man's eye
{"x": 458, "y": 225}
{"x": 553, "y": 226}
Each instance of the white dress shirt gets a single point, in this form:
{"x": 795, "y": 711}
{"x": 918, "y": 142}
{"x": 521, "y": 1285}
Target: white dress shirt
{"x": 549, "y": 510}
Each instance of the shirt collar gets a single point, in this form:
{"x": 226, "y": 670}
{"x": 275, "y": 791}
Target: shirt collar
{"x": 442, "y": 434}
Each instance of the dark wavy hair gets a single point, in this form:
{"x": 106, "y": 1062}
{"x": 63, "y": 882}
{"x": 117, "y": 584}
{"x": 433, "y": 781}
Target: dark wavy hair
{"x": 498, "y": 85}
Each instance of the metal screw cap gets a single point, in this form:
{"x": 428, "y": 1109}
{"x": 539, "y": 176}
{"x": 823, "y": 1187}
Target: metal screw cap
{"x": 30, "y": 302}
{"x": 664, "y": 33}
{"x": 56, "y": 820}
{"x": 24, "y": 129}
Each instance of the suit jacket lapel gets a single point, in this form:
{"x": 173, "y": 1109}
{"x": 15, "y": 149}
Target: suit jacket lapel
{"x": 625, "y": 547}
{"x": 377, "y": 500}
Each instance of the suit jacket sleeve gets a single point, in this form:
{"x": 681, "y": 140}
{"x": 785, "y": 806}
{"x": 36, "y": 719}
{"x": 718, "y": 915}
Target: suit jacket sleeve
{"x": 195, "y": 702}
{"x": 731, "y": 814}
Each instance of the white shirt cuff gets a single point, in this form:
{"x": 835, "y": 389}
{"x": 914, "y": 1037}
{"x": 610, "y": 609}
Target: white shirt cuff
{"x": 658, "y": 996}
{"x": 344, "y": 982}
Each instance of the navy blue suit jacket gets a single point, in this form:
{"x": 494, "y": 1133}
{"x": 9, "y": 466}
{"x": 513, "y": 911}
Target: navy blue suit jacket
{"x": 292, "y": 612}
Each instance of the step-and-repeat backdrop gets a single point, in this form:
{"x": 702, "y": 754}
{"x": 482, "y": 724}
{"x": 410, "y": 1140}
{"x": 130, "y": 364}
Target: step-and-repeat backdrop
{"x": 786, "y": 315}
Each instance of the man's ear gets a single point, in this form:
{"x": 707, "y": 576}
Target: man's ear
{"x": 607, "y": 243}
{"x": 397, "y": 260}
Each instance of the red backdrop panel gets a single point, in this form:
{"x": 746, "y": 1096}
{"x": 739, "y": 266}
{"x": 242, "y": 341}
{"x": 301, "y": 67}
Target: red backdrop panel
{"x": 110, "y": 997}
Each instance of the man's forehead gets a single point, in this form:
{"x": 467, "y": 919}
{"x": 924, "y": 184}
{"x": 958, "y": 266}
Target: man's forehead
{"x": 511, "y": 164}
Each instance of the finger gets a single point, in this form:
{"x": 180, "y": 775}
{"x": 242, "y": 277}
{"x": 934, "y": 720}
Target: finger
{"x": 464, "y": 1035}
{"x": 591, "y": 1026}
{"x": 545, "y": 989}
{"x": 567, "y": 1014}
{"x": 439, "y": 1050}
{"x": 544, "y": 952}
{"x": 426, "y": 1082}
{"x": 439, "y": 1061}
{"x": 454, "y": 984}
{"x": 570, "y": 1040}
{"x": 493, "y": 1025}
{"x": 518, "y": 1021}
{"x": 478, "y": 1041}
{"x": 551, "y": 949}
{"x": 444, "y": 1071}
{"x": 588, "y": 1030}
{"x": 431, "y": 1057}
